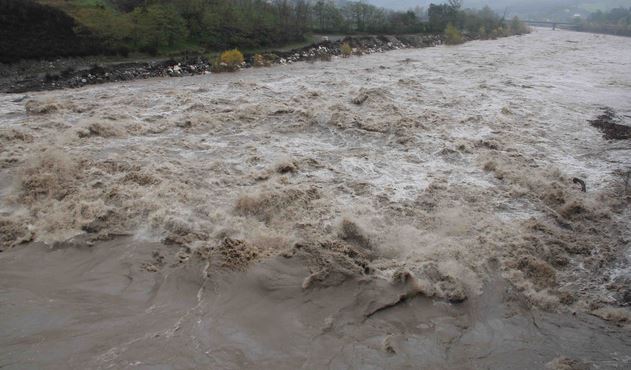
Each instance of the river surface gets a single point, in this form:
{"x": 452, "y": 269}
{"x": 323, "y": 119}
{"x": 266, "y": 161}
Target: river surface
{"x": 410, "y": 209}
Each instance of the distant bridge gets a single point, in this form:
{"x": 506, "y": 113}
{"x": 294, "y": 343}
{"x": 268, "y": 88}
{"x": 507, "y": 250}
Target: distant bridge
{"x": 550, "y": 24}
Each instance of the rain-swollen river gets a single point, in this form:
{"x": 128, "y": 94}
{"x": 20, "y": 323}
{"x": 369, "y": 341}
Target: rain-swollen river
{"x": 443, "y": 208}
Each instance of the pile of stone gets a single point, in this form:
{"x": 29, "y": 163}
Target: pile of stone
{"x": 110, "y": 73}
{"x": 324, "y": 50}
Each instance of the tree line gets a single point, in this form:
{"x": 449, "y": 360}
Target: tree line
{"x": 224, "y": 24}
{"x": 163, "y": 26}
{"x": 248, "y": 24}
{"x": 616, "y": 21}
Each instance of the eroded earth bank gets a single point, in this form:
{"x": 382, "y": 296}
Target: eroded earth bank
{"x": 452, "y": 207}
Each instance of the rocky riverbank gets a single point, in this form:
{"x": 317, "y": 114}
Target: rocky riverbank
{"x": 66, "y": 73}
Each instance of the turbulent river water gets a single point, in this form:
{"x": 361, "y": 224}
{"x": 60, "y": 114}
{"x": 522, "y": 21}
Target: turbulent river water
{"x": 411, "y": 209}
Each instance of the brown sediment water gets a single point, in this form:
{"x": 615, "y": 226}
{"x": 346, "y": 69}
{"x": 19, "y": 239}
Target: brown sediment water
{"x": 412, "y": 209}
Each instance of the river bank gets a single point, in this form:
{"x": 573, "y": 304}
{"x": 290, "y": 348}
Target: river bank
{"x": 77, "y": 72}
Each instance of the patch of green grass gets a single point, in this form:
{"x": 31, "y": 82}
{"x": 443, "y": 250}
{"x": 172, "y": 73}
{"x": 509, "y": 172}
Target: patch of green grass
{"x": 181, "y": 48}
{"x": 72, "y": 7}
{"x": 64, "y": 4}
{"x": 309, "y": 39}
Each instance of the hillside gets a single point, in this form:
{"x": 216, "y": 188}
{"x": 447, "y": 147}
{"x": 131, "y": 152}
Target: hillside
{"x": 521, "y": 8}
{"x": 32, "y": 30}
{"x": 171, "y": 28}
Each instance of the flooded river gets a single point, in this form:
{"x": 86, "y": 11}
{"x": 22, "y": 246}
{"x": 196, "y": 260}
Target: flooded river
{"x": 411, "y": 209}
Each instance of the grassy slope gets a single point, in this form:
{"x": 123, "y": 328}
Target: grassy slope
{"x": 73, "y": 4}
{"x": 72, "y": 7}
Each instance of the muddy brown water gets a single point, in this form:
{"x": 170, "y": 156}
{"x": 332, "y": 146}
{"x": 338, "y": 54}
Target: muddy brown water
{"x": 90, "y": 308}
{"x": 412, "y": 209}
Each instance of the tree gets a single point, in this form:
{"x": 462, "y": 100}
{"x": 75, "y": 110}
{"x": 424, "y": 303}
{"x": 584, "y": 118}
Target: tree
{"x": 192, "y": 11}
{"x": 158, "y": 26}
{"x": 302, "y": 16}
{"x": 439, "y": 16}
{"x": 318, "y": 15}
{"x": 455, "y": 5}
{"x": 150, "y": 25}
{"x": 517, "y": 27}
{"x": 127, "y": 5}
{"x": 452, "y": 35}
{"x": 114, "y": 28}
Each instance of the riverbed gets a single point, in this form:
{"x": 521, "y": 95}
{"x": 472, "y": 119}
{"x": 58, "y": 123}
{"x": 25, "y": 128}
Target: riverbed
{"x": 410, "y": 209}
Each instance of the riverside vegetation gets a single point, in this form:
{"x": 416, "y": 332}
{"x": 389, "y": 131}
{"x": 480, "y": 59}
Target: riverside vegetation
{"x": 616, "y": 21}
{"x": 54, "y": 28}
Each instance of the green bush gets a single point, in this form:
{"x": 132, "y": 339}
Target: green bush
{"x": 228, "y": 61}
{"x": 232, "y": 58}
{"x": 346, "y": 50}
{"x": 517, "y": 27}
{"x": 482, "y": 33}
{"x": 452, "y": 35}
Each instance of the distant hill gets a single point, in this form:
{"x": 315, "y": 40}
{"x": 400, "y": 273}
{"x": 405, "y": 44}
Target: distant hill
{"x": 522, "y": 8}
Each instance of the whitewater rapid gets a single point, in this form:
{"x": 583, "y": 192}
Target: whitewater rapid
{"x": 448, "y": 169}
